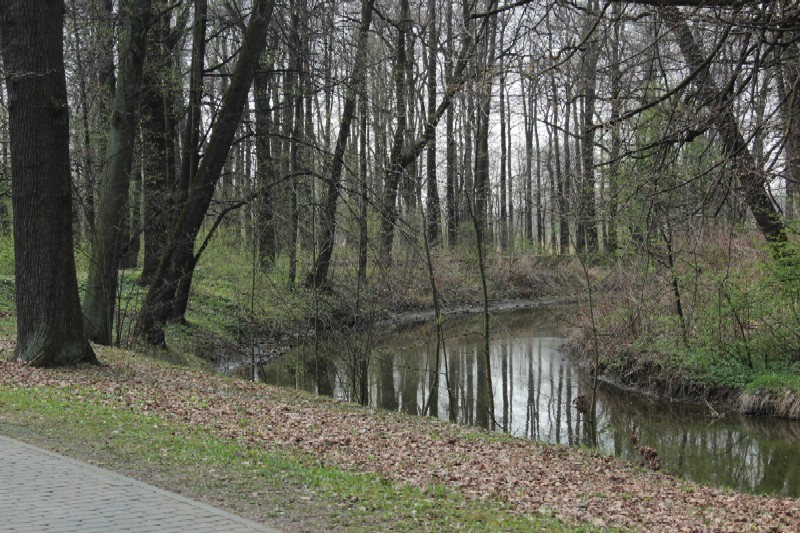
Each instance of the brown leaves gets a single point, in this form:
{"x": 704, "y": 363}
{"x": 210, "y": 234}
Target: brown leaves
{"x": 570, "y": 484}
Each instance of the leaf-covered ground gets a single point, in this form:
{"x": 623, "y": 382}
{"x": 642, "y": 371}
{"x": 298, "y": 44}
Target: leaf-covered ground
{"x": 573, "y": 485}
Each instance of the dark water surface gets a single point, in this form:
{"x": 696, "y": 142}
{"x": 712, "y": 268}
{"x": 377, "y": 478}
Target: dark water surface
{"x": 534, "y": 387}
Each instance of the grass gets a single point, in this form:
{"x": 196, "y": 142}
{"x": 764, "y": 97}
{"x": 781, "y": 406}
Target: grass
{"x": 775, "y": 382}
{"x": 256, "y": 482}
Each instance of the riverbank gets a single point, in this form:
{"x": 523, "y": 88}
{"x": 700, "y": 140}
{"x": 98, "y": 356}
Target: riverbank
{"x": 219, "y": 329}
{"x": 344, "y": 467}
{"x": 719, "y": 327}
{"x": 766, "y": 394}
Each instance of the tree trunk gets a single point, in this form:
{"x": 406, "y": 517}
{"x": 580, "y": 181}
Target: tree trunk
{"x": 363, "y": 234}
{"x": 503, "y": 175}
{"x": 191, "y": 142}
{"x": 158, "y": 152}
{"x": 289, "y": 135}
{"x": 528, "y": 124}
{"x": 432, "y": 200}
{"x": 616, "y": 133}
{"x": 540, "y": 235}
{"x": 451, "y": 186}
{"x": 741, "y": 160}
{"x": 178, "y": 259}
{"x": 50, "y": 330}
{"x": 587, "y": 223}
{"x": 789, "y": 95}
{"x": 482, "y": 185}
{"x": 86, "y": 193}
{"x": 113, "y": 215}
{"x": 395, "y": 170}
{"x": 401, "y": 157}
{"x": 132, "y": 243}
{"x": 318, "y": 277}
{"x": 265, "y": 171}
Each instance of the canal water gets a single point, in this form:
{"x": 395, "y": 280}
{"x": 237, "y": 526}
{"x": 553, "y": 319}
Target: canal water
{"x": 534, "y": 391}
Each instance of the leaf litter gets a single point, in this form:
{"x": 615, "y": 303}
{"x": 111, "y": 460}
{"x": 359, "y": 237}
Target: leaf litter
{"x": 573, "y": 485}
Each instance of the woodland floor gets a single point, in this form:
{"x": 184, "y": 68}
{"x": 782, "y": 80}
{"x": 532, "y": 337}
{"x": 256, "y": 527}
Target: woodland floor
{"x": 577, "y": 487}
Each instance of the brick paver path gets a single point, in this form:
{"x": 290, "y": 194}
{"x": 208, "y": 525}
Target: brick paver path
{"x": 44, "y": 492}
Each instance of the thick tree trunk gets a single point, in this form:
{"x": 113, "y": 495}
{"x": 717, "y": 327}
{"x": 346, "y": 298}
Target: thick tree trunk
{"x": 50, "y": 330}
{"x": 191, "y": 146}
{"x": 178, "y": 259}
{"x": 113, "y": 215}
{"x": 158, "y": 152}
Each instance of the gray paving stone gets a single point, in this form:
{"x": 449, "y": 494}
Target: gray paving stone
{"x": 42, "y": 492}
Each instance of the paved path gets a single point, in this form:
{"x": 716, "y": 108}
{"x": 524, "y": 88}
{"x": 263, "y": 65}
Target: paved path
{"x": 44, "y": 492}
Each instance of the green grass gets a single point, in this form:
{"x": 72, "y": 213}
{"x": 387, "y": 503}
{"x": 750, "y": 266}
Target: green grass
{"x": 775, "y": 382}
{"x": 275, "y": 481}
{"x": 8, "y": 317}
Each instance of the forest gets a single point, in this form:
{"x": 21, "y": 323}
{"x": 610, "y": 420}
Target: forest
{"x": 324, "y": 163}
{"x": 517, "y": 216}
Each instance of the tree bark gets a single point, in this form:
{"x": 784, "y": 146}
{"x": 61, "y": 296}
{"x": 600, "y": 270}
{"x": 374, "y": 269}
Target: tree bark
{"x": 451, "y": 185}
{"x": 587, "y": 223}
{"x": 265, "y": 171}
{"x": 113, "y": 205}
{"x": 363, "y": 184}
{"x": 191, "y": 143}
{"x": 616, "y": 133}
{"x": 178, "y": 259}
{"x": 50, "y": 330}
{"x": 158, "y": 153}
{"x": 432, "y": 200}
{"x": 789, "y": 95}
{"x": 503, "y": 176}
{"x": 482, "y": 185}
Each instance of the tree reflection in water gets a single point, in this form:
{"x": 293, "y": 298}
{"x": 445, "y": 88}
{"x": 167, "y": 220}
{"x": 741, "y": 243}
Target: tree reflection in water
{"x": 535, "y": 385}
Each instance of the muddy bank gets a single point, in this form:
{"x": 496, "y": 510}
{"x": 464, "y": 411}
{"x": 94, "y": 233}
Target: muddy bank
{"x": 783, "y": 404}
{"x": 414, "y": 317}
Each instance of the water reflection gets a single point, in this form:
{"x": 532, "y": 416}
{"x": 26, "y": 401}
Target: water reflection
{"x": 533, "y": 389}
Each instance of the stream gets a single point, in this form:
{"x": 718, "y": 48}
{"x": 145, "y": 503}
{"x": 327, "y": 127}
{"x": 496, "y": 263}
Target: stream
{"x": 534, "y": 387}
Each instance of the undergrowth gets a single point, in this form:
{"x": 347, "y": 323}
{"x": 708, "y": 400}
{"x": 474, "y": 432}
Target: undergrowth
{"x": 725, "y": 316}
